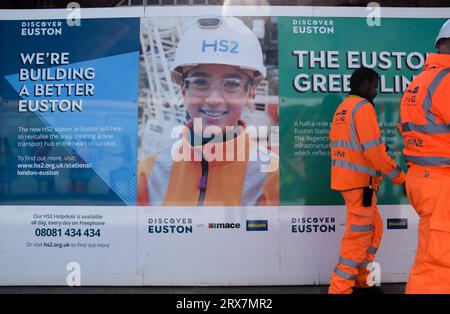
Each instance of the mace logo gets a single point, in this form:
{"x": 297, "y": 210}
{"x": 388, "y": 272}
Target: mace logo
{"x": 257, "y": 225}
{"x": 223, "y": 225}
{"x": 397, "y": 223}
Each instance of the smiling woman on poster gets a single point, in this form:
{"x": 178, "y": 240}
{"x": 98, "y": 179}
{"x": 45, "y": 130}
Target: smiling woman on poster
{"x": 218, "y": 64}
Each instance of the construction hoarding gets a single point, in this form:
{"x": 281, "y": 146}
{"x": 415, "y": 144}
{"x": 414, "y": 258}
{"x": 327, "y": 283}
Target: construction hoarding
{"x": 91, "y": 116}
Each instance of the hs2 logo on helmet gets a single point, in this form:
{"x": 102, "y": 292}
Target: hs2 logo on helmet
{"x": 221, "y": 45}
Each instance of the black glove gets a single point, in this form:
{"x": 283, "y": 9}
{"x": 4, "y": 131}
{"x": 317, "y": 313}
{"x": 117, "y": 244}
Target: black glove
{"x": 404, "y": 188}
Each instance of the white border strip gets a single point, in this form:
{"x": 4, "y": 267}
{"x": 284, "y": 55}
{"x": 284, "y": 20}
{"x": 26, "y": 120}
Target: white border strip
{"x": 88, "y": 13}
{"x": 228, "y": 11}
{"x": 386, "y": 12}
{"x": 307, "y": 11}
{"x": 168, "y": 11}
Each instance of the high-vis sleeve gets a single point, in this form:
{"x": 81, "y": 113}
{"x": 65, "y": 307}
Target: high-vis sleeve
{"x": 441, "y": 100}
{"x": 374, "y": 149}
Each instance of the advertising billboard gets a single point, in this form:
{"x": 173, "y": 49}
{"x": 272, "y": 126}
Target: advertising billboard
{"x": 173, "y": 146}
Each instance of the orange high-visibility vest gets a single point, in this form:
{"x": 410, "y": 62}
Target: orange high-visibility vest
{"x": 245, "y": 175}
{"x": 425, "y": 114}
{"x": 357, "y": 152}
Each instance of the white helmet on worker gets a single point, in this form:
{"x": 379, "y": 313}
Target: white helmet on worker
{"x": 444, "y": 32}
{"x": 219, "y": 40}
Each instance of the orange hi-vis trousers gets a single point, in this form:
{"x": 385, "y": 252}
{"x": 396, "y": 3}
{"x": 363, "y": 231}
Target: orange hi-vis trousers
{"x": 428, "y": 191}
{"x": 362, "y": 238}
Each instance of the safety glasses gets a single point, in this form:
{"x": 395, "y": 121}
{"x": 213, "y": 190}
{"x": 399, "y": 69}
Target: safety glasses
{"x": 228, "y": 87}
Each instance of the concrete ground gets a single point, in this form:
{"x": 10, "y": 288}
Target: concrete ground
{"x": 393, "y": 288}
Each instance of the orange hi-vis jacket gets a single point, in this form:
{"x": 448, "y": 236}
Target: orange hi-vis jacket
{"x": 425, "y": 114}
{"x": 243, "y": 174}
{"x": 357, "y": 152}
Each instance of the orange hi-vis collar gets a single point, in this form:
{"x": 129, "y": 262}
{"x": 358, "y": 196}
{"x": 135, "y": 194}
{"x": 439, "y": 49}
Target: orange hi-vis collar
{"x": 436, "y": 60}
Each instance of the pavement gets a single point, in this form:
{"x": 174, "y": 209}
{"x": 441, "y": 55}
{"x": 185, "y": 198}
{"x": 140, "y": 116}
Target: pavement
{"x": 392, "y": 288}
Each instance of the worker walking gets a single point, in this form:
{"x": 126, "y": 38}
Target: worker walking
{"x": 359, "y": 159}
{"x": 425, "y": 127}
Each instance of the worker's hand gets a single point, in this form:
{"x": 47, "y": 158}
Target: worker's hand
{"x": 404, "y": 188}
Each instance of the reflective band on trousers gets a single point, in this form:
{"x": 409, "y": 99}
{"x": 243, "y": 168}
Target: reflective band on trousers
{"x": 394, "y": 173}
{"x": 344, "y": 274}
{"x": 356, "y": 167}
{"x": 372, "y": 250}
{"x": 348, "y": 262}
{"x": 428, "y": 160}
{"x": 358, "y": 228}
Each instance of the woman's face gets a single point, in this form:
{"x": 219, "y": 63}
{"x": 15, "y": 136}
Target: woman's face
{"x": 217, "y": 93}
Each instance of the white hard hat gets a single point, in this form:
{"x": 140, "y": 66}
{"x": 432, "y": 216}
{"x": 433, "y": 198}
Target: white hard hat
{"x": 219, "y": 40}
{"x": 444, "y": 32}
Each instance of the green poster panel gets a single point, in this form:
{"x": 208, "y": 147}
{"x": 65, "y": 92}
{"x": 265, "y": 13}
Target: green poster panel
{"x": 316, "y": 58}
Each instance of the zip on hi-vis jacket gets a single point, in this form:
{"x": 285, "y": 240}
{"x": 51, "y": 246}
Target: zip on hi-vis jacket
{"x": 203, "y": 182}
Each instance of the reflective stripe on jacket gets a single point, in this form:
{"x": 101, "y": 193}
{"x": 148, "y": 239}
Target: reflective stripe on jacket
{"x": 425, "y": 114}
{"x": 357, "y": 152}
